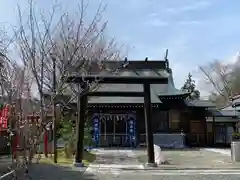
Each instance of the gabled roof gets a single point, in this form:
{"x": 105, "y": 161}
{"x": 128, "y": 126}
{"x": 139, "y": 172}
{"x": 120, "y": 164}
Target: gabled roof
{"x": 236, "y": 97}
{"x": 231, "y": 108}
{"x": 222, "y": 119}
{"x": 234, "y": 105}
{"x": 169, "y": 90}
{"x": 155, "y": 88}
{"x": 224, "y": 113}
{"x": 134, "y": 69}
{"x": 200, "y": 103}
{"x": 142, "y": 69}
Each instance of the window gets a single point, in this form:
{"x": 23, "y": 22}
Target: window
{"x": 209, "y": 127}
{"x": 175, "y": 125}
{"x": 196, "y": 127}
{"x": 174, "y": 120}
{"x": 160, "y": 122}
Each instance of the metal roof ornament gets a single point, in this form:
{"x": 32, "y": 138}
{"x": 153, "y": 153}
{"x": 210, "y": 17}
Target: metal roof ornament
{"x": 166, "y": 59}
{"x": 125, "y": 63}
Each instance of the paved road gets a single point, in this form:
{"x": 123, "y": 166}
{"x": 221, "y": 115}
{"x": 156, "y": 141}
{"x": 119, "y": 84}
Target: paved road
{"x": 123, "y": 174}
{"x": 49, "y": 172}
{"x": 182, "y": 177}
{"x": 123, "y": 165}
{"x": 5, "y": 164}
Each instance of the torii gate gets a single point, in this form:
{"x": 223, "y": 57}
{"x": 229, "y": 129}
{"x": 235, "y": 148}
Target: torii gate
{"x": 82, "y": 105}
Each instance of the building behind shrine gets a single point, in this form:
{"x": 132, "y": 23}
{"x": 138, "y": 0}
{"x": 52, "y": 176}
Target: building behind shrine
{"x": 120, "y": 120}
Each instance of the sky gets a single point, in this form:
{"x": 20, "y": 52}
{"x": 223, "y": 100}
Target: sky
{"x": 195, "y": 32}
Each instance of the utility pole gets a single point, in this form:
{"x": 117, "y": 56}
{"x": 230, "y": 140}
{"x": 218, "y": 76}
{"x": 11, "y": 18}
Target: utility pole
{"x": 54, "y": 110}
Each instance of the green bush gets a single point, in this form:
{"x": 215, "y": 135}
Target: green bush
{"x": 236, "y": 136}
{"x": 67, "y": 132}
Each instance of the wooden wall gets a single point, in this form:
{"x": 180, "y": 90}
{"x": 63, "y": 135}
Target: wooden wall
{"x": 190, "y": 121}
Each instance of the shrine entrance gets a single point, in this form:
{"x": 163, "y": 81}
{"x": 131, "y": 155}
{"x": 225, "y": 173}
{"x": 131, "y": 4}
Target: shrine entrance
{"x": 114, "y": 130}
{"x": 82, "y": 101}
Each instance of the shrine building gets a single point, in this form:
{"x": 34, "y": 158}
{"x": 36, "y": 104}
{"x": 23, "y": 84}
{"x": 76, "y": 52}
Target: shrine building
{"x": 175, "y": 120}
{"x": 119, "y": 121}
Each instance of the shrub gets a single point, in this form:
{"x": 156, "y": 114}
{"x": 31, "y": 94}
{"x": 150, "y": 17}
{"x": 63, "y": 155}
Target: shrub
{"x": 236, "y": 136}
{"x": 67, "y": 131}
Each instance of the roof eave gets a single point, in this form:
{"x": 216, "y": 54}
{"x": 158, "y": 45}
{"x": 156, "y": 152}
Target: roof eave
{"x": 182, "y": 95}
{"x": 200, "y": 104}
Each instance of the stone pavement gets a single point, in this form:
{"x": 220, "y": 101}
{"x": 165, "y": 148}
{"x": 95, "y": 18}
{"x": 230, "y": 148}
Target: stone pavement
{"x": 221, "y": 151}
{"x": 123, "y": 164}
{"x": 195, "y": 159}
{"x": 115, "y": 162}
{"x": 200, "y": 158}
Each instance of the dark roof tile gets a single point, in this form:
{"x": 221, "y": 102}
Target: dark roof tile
{"x": 224, "y": 113}
{"x": 200, "y": 103}
{"x": 122, "y": 88}
{"x": 135, "y": 69}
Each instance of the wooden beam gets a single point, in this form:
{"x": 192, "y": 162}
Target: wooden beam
{"x": 117, "y": 79}
{"x": 116, "y": 94}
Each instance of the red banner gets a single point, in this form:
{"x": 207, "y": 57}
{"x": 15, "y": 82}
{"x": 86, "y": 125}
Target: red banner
{"x": 4, "y": 114}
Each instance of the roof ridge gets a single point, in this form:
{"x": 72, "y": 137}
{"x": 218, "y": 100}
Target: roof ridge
{"x": 235, "y": 97}
{"x": 171, "y": 83}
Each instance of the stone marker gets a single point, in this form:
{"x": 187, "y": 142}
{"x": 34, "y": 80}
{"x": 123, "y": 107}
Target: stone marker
{"x": 159, "y": 158}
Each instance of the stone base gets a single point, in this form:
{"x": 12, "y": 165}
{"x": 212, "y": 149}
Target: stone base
{"x": 76, "y": 164}
{"x": 151, "y": 165}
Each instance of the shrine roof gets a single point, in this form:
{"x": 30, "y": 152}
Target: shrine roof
{"x": 143, "y": 69}
{"x": 200, "y": 103}
{"x": 234, "y": 104}
{"x": 224, "y": 113}
{"x": 231, "y": 107}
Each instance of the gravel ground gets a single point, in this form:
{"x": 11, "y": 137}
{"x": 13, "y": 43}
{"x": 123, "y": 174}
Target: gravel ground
{"x": 200, "y": 159}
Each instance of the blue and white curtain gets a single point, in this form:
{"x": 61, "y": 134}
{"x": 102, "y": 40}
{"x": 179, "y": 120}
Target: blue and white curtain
{"x": 96, "y": 129}
{"x": 131, "y": 123}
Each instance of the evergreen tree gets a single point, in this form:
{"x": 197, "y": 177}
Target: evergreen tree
{"x": 190, "y": 86}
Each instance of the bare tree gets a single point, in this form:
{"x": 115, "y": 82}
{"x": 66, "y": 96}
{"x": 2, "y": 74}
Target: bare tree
{"x": 71, "y": 41}
{"x": 75, "y": 45}
{"x": 16, "y": 92}
{"x": 223, "y": 78}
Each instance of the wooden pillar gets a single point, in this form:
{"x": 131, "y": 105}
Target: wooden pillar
{"x": 46, "y": 143}
{"x": 148, "y": 123}
{"x": 213, "y": 130}
{"x": 81, "y": 117}
{"x": 205, "y": 131}
{"x": 168, "y": 123}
